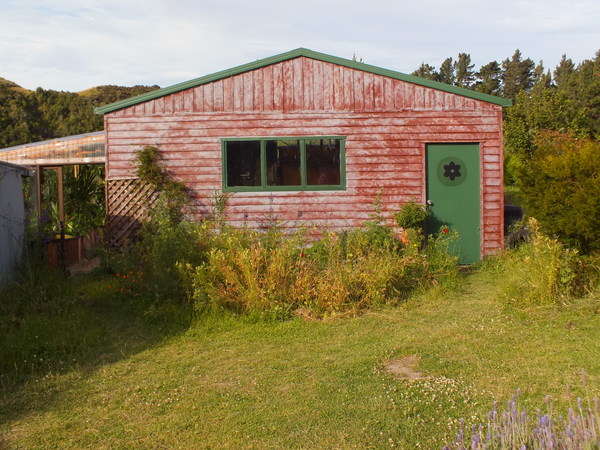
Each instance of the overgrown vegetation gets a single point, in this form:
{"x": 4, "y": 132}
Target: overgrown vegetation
{"x": 543, "y": 271}
{"x": 274, "y": 273}
{"x": 560, "y": 186}
{"x": 84, "y": 200}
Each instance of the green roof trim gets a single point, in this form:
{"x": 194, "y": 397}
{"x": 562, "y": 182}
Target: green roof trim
{"x": 295, "y": 54}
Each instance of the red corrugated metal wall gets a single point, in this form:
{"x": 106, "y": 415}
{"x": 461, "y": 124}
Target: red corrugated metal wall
{"x": 387, "y": 123}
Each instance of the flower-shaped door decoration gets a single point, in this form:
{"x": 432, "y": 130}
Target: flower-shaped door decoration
{"x": 452, "y": 171}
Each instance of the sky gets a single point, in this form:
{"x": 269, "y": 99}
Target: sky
{"x": 76, "y": 44}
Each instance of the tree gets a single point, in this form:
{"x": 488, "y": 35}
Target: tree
{"x": 517, "y": 75}
{"x": 464, "y": 70}
{"x": 563, "y": 70}
{"x": 446, "y": 72}
{"x": 426, "y": 71}
{"x": 583, "y": 87}
{"x": 540, "y": 77}
{"x": 561, "y": 188}
{"x": 489, "y": 78}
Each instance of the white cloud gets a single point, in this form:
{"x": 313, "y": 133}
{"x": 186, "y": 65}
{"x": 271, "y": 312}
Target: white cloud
{"x": 72, "y": 45}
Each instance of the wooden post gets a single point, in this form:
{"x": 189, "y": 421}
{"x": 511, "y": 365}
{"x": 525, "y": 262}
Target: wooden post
{"x": 38, "y": 192}
{"x": 61, "y": 216}
{"x": 61, "y": 194}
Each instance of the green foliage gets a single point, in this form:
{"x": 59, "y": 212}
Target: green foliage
{"x": 173, "y": 194}
{"x": 153, "y": 260}
{"x": 164, "y": 241}
{"x": 560, "y": 185}
{"x": 464, "y": 71}
{"x": 84, "y": 199}
{"x": 544, "y": 271}
{"x": 446, "y": 73}
{"x": 489, "y": 78}
{"x": 517, "y": 75}
{"x": 102, "y": 95}
{"x": 543, "y": 109}
{"x": 563, "y": 71}
{"x": 426, "y": 71}
{"x": 148, "y": 168}
{"x": 412, "y": 215}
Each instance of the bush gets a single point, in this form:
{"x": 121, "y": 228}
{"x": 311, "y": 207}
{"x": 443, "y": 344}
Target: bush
{"x": 544, "y": 271}
{"x": 412, "y": 216}
{"x": 277, "y": 274}
{"x": 560, "y": 186}
{"x": 150, "y": 263}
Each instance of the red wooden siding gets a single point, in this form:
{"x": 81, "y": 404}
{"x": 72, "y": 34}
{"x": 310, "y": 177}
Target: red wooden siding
{"x": 386, "y": 122}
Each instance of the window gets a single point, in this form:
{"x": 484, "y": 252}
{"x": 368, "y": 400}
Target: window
{"x": 283, "y": 164}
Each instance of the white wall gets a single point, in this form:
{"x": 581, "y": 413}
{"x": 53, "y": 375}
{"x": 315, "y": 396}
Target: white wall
{"x": 12, "y": 220}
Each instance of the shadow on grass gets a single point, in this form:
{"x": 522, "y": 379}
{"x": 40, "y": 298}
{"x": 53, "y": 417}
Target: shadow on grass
{"x": 72, "y": 327}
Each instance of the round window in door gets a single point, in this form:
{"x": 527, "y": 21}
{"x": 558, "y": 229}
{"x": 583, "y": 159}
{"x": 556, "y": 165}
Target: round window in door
{"x": 452, "y": 171}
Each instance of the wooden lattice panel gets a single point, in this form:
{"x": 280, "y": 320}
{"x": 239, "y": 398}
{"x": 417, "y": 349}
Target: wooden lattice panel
{"x": 128, "y": 203}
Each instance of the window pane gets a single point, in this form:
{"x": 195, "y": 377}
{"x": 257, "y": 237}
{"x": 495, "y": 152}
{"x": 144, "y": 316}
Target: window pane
{"x": 283, "y": 163}
{"x": 323, "y": 162}
{"x": 243, "y": 163}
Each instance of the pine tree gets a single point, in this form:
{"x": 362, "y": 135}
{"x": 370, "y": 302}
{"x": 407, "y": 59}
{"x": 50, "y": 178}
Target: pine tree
{"x": 563, "y": 70}
{"x": 541, "y": 77}
{"x": 517, "y": 75}
{"x": 464, "y": 70}
{"x": 489, "y": 78}
{"x": 426, "y": 71}
{"x": 446, "y": 72}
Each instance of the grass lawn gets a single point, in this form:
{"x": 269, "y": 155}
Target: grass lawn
{"x": 230, "y": 382}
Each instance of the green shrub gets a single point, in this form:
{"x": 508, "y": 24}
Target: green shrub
{"x": 560, "y": 186}
{"x": 165, "y": 240}
{"x": 412, "y": 216}
{"x": 544, "y": 271}
{"x": 150, "y": 263}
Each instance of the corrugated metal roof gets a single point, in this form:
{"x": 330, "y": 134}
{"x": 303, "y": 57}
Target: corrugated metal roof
{"x": 50, "y": 141}
{"x": 86, "y": 148}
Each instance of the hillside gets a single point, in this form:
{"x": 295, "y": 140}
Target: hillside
{"x": 29, "y": 116}
{"x": 4, "y": 83}
{"x": 101, "y": 95}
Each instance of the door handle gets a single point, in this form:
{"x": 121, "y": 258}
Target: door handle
{"x": 429, "y": 203}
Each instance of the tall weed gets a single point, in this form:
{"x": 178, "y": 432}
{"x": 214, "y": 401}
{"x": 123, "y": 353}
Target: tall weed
{"x": 544, "y": 271}
{"x": 276, "y": 274}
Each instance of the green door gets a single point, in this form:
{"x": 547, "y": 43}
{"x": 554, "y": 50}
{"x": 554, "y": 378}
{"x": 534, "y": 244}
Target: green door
{"x": 453, "y": 195}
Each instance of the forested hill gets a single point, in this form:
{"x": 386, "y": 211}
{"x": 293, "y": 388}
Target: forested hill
{"x": 28, "y": 116}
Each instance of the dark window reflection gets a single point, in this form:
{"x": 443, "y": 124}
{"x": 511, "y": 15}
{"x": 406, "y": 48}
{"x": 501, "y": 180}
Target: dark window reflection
{"x": 283, "y": 163}
{"x": 243, "y": 163}
{"x": 323, "y": 162}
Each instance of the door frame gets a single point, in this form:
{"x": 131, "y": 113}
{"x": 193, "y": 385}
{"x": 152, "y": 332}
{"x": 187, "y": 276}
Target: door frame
{"x": 423, "y": 149}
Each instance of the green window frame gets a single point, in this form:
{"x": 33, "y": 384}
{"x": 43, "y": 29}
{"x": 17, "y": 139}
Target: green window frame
{"x": 303, "y": 186}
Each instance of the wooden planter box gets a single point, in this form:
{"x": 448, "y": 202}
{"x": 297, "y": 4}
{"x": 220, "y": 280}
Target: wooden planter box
{"x": 73, "y": 251}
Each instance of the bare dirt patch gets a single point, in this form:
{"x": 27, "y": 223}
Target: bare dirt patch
{"x": 404, "y": 368}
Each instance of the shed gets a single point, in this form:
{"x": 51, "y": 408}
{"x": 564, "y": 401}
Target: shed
{"x": 304, "y": 138}
{"x": 12, "y": 218}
